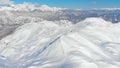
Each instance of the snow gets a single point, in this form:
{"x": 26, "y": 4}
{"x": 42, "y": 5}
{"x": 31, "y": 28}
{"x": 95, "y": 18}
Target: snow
{"x": 29, "y": 7}
{"x": 97, "y": 22}
{"x": 92, "y": 43}
{"x": 47, "y": 8}
{"x": 111, "y": 8}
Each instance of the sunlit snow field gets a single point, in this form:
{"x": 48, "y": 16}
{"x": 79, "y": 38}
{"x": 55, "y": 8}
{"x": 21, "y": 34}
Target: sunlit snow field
{"x": 29, "y": 41}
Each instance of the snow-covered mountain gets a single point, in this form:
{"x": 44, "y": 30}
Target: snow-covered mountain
{"x": 43, "y": 37}
{"x": 92, "y": 43}
{"x": 29, "y": 7}
{"x": 55, "y": 13}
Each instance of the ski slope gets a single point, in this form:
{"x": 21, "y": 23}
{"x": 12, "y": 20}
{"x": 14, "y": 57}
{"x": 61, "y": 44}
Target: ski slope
{"x": 92, "y": 43}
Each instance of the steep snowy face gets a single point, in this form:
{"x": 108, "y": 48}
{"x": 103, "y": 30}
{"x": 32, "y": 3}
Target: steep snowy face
{"x": 49, "y": 44}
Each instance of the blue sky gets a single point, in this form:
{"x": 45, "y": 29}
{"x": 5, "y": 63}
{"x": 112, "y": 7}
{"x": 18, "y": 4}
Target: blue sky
{"x": 84, "y": 4}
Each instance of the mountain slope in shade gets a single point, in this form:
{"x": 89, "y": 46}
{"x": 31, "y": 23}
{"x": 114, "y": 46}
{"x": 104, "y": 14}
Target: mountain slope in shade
{"x": 49, "y": 44}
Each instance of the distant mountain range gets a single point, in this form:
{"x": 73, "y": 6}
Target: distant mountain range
{"x": 53, "y": 13}
{"x": 79, "y": 15}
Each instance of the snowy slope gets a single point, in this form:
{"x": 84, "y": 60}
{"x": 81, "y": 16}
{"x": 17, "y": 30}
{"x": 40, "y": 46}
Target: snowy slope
{"x": 92, "y": 43}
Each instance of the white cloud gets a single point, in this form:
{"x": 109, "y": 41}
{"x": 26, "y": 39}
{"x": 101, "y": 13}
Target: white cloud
{"x": 6, "y": 2}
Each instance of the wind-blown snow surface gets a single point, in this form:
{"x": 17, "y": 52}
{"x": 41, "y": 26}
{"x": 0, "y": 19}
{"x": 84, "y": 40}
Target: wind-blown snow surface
{"x": 92, "y": 43}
